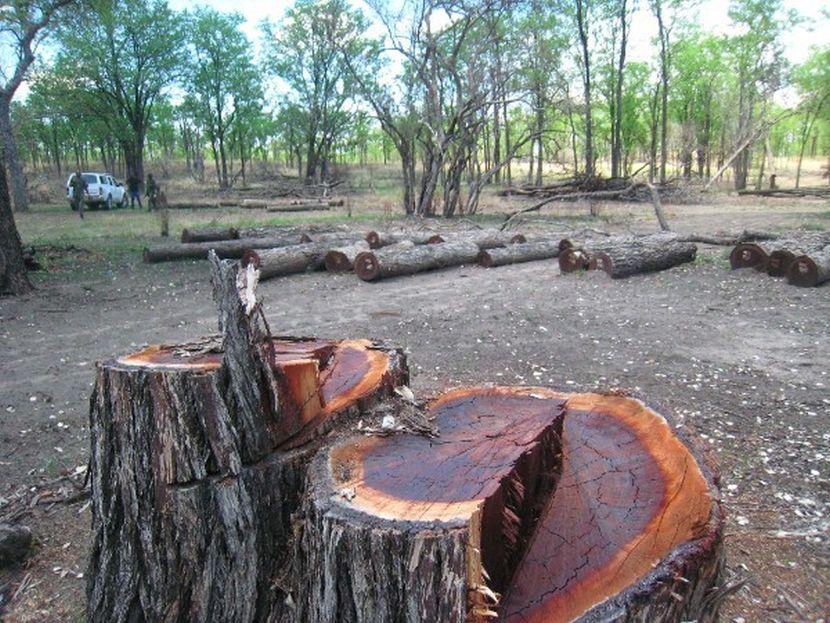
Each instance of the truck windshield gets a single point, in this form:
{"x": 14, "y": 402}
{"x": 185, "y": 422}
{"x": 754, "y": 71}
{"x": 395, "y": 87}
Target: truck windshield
{"x": 89, "y": 178}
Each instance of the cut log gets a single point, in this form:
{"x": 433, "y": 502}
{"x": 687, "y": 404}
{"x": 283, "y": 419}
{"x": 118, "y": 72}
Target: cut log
{"x": 335, "y": 238}
{"x": 515, "y": 253}
{"x": 305, "y": 207}
{"x": 226, "y": 249}
{"x": 530, "y": 506}
{"x": 341, "y": 259}
{"x": 250, "y": 204}
{"x": 748, "y": 255}
{"x": 272, "y": 231}
{"x": 781, "y": 252}
{"x": 486, "y": 239}
{"x": 635, "y": 257}
{"x": 382, "y": 264}
{"x": 377, "y": 239}
{"x": 809, "y": 271}
{"x": 282, "y": 261}
{"x": 209, "y": 234}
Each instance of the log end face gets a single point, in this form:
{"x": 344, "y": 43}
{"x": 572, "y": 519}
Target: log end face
{"x": 518, "y": 239}
{"x": 747, "y": 255}
{"x": 435, "y": 239}
{"x": 373, "y": 238}
{"x": 251, "y": 258}
{"x": 366, "y": 266}
{"x": 337, "y": 262}
{"x": 484, "y": 260}
{"x": 572, "y": 260}
{"x": 803, "y": 272}
{"x": 779, "y": 262}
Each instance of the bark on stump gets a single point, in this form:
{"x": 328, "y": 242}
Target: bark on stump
{"x": 342, "y": 259}
{"x": 809, "y": 271}
{"x": 520, "y": 252}
{"x": 530, "y": 506}
{"x": 381, "y": 264}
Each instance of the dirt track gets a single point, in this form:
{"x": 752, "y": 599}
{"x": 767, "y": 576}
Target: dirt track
{"x": 738, "y": 358}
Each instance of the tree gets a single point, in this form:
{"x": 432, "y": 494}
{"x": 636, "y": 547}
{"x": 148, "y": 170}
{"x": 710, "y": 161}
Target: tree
{"x": 221, "y": 80}
{"x": 120, "y": 55}
{"x": 309, "y": 52}
{"x": 582, "y": 24}
{"x": 25, "y": 23}
{"x": 813, "y": 81}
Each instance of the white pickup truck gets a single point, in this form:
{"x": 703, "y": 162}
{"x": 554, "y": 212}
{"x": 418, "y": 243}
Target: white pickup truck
{"x": 102, "y": 191}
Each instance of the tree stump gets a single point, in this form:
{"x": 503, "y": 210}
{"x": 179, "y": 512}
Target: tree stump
{"x": 530, "y": 506}
{"x": 257, "y": 478}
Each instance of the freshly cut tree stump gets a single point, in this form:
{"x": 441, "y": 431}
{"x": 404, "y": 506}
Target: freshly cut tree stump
{"x": 529, "y": 506}
{"x": 377, "y": 239}
{"x": 210, "y": 234}
{"x": 632, "y": 258}
{"x": 381, "y": 264}
{"x": 342, "y": 259}
{"x": 199, "y": 454}
{"x": 515, "y": 253}
{"x": 226, "y": 249}
{"x": 282, "y": 261}
{"x": 809, "y": 271}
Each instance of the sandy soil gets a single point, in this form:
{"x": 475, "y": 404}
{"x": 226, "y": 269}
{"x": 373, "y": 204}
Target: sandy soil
{"x": 738, "y": 358}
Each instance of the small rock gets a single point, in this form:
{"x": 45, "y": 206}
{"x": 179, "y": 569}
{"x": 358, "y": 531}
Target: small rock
{"x": 15, "y": 542}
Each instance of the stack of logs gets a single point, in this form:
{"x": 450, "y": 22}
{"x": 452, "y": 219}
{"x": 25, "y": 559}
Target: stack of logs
{"x": 252, "y": 478}
{"x": 802, "y": 257}
{"x": 279, "y": 251}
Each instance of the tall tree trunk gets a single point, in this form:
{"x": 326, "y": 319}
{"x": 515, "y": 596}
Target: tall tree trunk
{"x": 652, "y": 161}
{"x": 223, "y": 161}
{"x": 616, "y": 139}
{"x": 13, "y": 276}
{"x": 506, "y": 122}
{"x": 581, "y": 18}
{"x": 664, "y": 81}
{"x": 540, "y": 126}
{"x": 16, "y": 179}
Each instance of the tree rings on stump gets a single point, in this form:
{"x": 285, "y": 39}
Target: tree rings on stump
{"x": 531, "y": 505}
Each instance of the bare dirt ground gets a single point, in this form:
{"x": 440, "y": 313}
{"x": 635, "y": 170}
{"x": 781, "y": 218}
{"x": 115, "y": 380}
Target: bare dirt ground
{"x": 738, "y": 358}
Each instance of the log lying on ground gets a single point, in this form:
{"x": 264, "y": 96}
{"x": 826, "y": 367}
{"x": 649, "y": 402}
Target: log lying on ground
{"x": 486, "y": 239}
{"x": 634, "y": 257}
{"x": 377, "y": 239}
{"x": 209, "y": 234}
{"x": 335, "y": 237}
{"x": 520, "y": 252}
{"x": 270, "y": 231}
{"x": 341, "y": 259}
{"x": 226, "y": 249}
{"x": 809, "y": 271}
{"x": 775, "y": 256}
{"x": 282, "y": 261}
{"x": 193, "y": 205}
{"x": 530, "y": 506}
{"x": 252, "y": 204}
{"x": 381, "y": 264}
{"x": 818, "y": 191}
{"x": 309, "y": 207}
{"x": 572, "y": 259}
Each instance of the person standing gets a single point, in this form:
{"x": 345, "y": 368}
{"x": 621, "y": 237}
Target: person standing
{"x": 134, "y": 188}
{"x": 78, "y": 185}
{"x": 151, "y": 193}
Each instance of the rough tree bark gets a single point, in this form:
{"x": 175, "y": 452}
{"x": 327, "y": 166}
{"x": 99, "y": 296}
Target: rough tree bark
{"x": 342, "y": 259}
{"x": 198, "y": 461}
{"x": 626, "y": 259}
{"x": 381, "y": 264}
{"x": 14, "y": 278}
{"x": 226, "y": 249}
{"x": 520, "y": 252}
{"x": 209, "y": 234}
{"x": 809, "y": 271}
{"x": 378, "y": 239}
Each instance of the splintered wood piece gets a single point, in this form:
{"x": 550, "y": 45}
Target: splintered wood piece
{"x": 381, "y": 264}
{"x": 209, "y": 234}
{"x": 300, "y": 379}
{"x": 378, "y": 239}
{"x": 811, "y": 270}
{"x": 519, "y": 252}
{"x": 531, "y": 505}
{"x": 341, "y": 259}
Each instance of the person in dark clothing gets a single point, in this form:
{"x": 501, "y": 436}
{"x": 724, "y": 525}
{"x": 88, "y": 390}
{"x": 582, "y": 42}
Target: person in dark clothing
{"x": 152, "y": 192}
{"x": 134, "y": 189}
{"x": 78, "y": 185}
